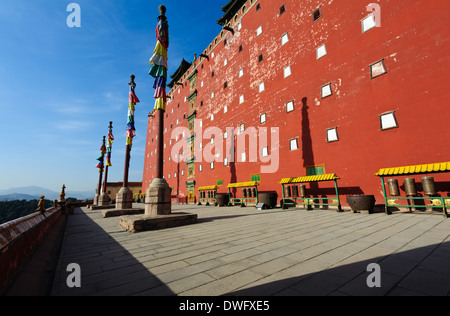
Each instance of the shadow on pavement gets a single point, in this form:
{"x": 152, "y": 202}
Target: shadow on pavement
{"x": 107, "y": 269}
{"x": 417, "y": 272}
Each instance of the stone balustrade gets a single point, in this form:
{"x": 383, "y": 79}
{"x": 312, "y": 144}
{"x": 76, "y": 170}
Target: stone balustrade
{"x": 20, "y": 237}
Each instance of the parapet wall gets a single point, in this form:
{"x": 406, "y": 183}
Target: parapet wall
{"x": 19, "y": 238}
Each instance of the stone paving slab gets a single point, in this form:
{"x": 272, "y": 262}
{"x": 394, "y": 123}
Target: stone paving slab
{"x": 242, "y": 251}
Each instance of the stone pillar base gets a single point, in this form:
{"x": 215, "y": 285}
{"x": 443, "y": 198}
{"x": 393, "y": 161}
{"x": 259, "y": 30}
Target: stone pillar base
{"x": 95, "y": 202}
{"x": 103, "y": 200}
{"x": 158, "y": 199}
{"x": 124, "y": 199}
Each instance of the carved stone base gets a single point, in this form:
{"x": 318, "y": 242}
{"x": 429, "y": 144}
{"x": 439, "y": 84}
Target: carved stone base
{"x": 140, "y": 223}
{"x": 95, "y": 202}
{"x": 124, "y": 199}
{"x": 158, "y": 198}
{"x": 103, "y": 200}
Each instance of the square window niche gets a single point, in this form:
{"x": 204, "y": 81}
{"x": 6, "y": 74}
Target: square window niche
{"x": 284, "y": 39}
{"x": 316, "y": 15}
{"x": 259, "y": 31}
{"x": 332, "y": 135}
{"x": 377, "y": 69}
{"x": 263, "y": 118}
{"x": 293, "y": 144}
{"x": 326, "y": 90}
{"x": 287, "y": 71}
{"x": 321, "y": 51}
{"x": 388, "y": 121}
{"x": 290, "y": 106}
{"x": 368, "y": 23}
{"x": 265, "y": 151}
{"x": 261, "y": 87}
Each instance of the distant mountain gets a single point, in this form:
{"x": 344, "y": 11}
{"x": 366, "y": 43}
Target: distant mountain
{"x": 80, "y": 195}
{"x": 18, "y": 197}
{"x": 34, "y": 192}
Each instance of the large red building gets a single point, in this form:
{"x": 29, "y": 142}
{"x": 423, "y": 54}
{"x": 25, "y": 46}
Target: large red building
{"x": 343, "y": 87}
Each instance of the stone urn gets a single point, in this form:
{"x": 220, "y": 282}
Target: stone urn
{"x": 222, "y": 199}
{"x": 361, "y": 203}
{"x": 268, "y": 198}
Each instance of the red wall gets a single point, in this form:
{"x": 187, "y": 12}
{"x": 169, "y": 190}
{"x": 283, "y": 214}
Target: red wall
{"x": 413, "y": 40}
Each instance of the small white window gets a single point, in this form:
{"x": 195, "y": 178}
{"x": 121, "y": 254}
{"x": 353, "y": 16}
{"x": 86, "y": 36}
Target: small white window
{"x": 200, "y": 145}
{"x": 261, "y": 87}
{"x": 212, "y": 95}
{"x": 182, "y": 172}
{"x": 200, "y": 168}
{"x": 212, "y": 117}
{"x": 388, "y": 121}
{"x": 225, "y": 62}
{"x": 262, "y": 118}
{"x": 168, "y": 176}
{"x": 175, "y": 175}
{"x": 259, "y": 31}
{"x": 239, "y": 27}
{"x": 225, "y": 135}
{"x": 212, "y": 140}
{"x": 241, "y": 72}
{"x": 243, "y": 157}
{"x": 242, "y": 128}
{"x": 293, "y": 145}
{"x": 201, "y": 84}
{"x": 368, "y": 23}
{"x": 321, "y": 51}
{"x": 290, "y": 106}
{"x": 332, "y": 135}
{"x": 287, "y": 71}
{"x": 225, "y": 109}
{"x": 241, "y": 99}
{"x": 284, "y": 39}
{"x": 265, "y": 151}
{"x": 326, "y": 90}
{"x": 225, "y": 161}
{"x": 211, "y": 165}
{"x": 212, "y": 55}
{"x": 377, "y": 69}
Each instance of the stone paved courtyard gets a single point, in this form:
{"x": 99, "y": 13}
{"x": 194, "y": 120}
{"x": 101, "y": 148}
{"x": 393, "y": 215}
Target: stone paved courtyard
{"x": 242, "y": 251}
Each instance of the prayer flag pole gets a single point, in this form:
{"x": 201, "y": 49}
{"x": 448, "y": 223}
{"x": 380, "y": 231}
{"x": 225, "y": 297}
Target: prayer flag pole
{"x": 104, "y": 197}
{"x": 158, "y": 195}
{"x": 124, "y": 199}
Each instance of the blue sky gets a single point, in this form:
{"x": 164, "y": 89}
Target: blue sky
{"x": 60, "y": 86}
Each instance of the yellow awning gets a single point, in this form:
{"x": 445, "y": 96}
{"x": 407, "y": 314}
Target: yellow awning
{"x": 243, "y": 184}
{"x": 418, "y": 169}
{"x": 319, "y": 178}
{"x": 210, "y": 188}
